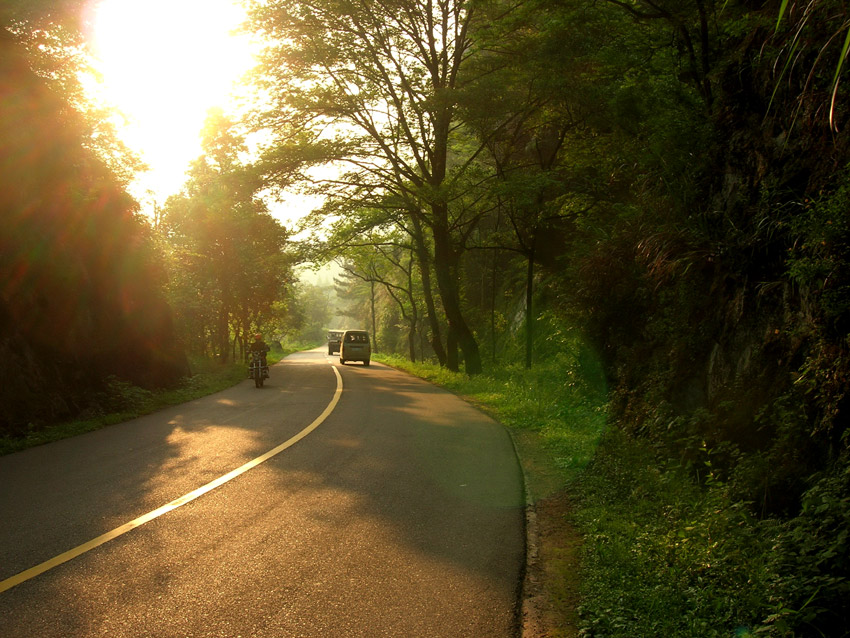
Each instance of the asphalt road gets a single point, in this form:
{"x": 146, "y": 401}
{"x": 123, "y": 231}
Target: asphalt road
{"x": 399, "y": 514}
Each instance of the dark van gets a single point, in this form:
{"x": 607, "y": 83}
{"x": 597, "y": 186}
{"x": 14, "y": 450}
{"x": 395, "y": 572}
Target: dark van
{"x": 333, "y": 340}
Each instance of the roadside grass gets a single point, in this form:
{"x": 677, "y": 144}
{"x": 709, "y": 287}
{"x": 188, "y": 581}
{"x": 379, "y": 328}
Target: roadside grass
{"x": 657, "y": 553}
{"x": 561, "y": 404}
{"x": 556, "y": 414}
{"x": 122, "y": 401}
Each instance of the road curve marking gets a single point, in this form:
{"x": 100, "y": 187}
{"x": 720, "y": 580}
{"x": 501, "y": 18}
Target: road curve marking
{"x": 32, "y": 572}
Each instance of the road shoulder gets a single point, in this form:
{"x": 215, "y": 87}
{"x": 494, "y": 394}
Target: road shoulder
{"x": 550, "y": 590}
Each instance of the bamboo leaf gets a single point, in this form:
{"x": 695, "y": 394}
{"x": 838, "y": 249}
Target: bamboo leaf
{"x": 782, "y": 9}
{"x": 841, "y": 58}
{"x": 785, "y": 68}
{"x": 835, "y": 79}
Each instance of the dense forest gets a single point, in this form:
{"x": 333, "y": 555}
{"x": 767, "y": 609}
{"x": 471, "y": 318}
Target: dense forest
{"x": 666, "y": 179}
{"x": 96, "y": 296}
{"x": 80, "y": 301}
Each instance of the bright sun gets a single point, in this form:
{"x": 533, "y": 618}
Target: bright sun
{"x": 164, "y": 64}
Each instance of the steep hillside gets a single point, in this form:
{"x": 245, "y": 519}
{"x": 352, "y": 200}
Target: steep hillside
{"x": 718, "y": 291}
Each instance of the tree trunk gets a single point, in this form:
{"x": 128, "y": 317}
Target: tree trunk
{"x": 374, "y": 321}
{"x": 223, "y": 335}
{"x": 529, "y": 310}
{"x": 493, "y": 306}
{"x": 424, "y": 257}
{"x": 452, "y": 361}
{"x": 445, "y": 266}
{"x": 411, "y": 342}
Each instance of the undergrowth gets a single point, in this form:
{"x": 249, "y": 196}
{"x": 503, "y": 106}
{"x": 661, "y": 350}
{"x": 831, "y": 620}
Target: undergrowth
{"x": 663, "y": 555}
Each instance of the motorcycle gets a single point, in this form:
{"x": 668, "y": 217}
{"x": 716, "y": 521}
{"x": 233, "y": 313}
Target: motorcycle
{"x": 256, "y": 370}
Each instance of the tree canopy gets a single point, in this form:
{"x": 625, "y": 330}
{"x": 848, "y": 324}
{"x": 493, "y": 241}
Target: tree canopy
{"x": 227, "y": 253}
{"x": 79, "y": 294}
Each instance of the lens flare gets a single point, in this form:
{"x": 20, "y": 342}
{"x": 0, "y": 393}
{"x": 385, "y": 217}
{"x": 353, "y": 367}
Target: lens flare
{"x": 164, "y": 64}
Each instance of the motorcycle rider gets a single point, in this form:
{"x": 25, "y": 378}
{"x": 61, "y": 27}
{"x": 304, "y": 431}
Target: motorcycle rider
{"x": 260, "y": 346}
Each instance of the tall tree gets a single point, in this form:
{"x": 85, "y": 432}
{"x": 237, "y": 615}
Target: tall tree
{"x": 228, "y": 252}
{"x": 80, "y": 283}
{"x": 375, "y": 85}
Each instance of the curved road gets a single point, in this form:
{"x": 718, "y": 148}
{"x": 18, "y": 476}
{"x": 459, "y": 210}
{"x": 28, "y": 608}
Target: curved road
{"x": 399, "y": 514}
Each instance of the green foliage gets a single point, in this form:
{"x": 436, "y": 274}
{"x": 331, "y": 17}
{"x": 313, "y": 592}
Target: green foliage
{"x": 119, "y": 396}
{"x": 663, "y": 556}
{"x": 809, "y": 560}
{"x": 310, "y": 315}
{"x": 226, "y": 255}
{"x": 820, "y": 260}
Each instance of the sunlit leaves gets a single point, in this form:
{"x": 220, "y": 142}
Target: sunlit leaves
{"x": 229, "y": 268}
{"x": 51, "y": 35}
{"x": 380, "y": 80}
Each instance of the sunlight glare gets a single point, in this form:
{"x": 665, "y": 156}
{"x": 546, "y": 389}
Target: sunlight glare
{"x": 164, "y": 64}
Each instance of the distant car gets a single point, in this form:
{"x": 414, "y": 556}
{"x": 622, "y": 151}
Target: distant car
{"x": 355, "y": 346}
{"x": 333, "y": 340}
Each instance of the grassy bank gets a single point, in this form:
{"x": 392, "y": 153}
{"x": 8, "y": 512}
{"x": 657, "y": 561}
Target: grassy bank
{"x": 121, "y": 401}
{"x": 660, "y": 554}
{"x": 556, "y": 414}
{"x": 672, "y": 550}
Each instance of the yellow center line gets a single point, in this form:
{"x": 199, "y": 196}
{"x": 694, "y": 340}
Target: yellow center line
{"x": 32, "y": 572}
